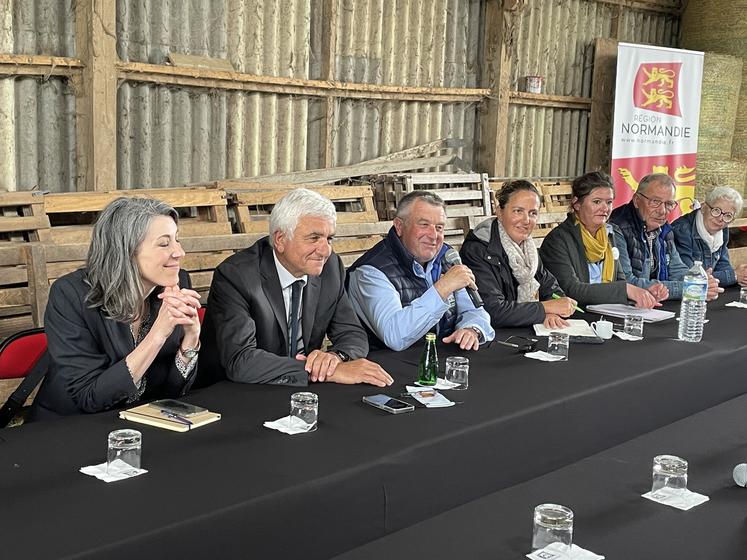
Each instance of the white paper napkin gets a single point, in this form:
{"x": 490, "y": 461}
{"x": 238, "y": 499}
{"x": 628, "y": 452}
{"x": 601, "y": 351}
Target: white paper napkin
{"x": 544, "y": 356}
{"x": 441, "y": 384}
{"x": 118, "y": 470}
{"x": 625, "y": 336}
{"x": 430, "y": 397}
{"x": 680, "y": 499}
{"x": 556, "y": 551}
{"x": 736, "y": 304}
{"x": 288, "y": 425}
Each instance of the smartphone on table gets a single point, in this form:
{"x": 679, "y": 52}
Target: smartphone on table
{"x": 179, "y": 408}
{"x": 385, "y": 402}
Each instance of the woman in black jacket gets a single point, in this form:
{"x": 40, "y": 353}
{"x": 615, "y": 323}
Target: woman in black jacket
{"x": 515, "y": 286}
{"x": 125, "y": 327}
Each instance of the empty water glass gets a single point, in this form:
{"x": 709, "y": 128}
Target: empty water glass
{"x": 557, "y": 344}
{"x": 669, "y": 472}
{"x": 634, "y": 325}
{"x": 553, "y": 523}
{"x": 457, "y": 371}
{"x": 123, "y": 450}
{"x": 304, "y": 408}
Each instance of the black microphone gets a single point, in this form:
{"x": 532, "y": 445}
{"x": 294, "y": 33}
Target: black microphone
{"x": 452, "y": 258}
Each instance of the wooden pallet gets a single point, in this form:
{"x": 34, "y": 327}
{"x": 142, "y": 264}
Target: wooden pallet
{"x": 22, "y": 217}
{"x": 253, "y": 202}
{"x": 203, "y": 212}
{"x": 22, "y": 287}
{"x": 465, "y": 194}
{"x": 556, "y": 197}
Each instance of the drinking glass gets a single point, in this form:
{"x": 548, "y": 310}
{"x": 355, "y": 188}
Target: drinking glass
{"x": 304, "y": 408}
{"x": 669, "y": 471}
{"x": 743, "y": 295}
{"x": 457, "y": 371}
{"x": 557, "y": 344}
{"x": 634, "y": 325}
{"x": 553, "y": 523}
{"x": 124, "y": 446}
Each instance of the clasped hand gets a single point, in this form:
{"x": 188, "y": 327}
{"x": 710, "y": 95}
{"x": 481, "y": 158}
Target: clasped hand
{"x": 178, "y": 307}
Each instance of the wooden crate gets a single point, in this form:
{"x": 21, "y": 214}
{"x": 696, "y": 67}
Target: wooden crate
{"x": 465, "y": 194}
{"x": 556, "y": 197}
{"x": 22, "y": 286}
{"x": 202, "y": 212}
{"x": 22, "y": 217}
{"x": 253, "y": 202}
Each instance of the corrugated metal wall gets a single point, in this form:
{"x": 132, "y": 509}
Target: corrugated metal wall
{"x": 255, "y": 134}
{"x": 37, "y": 116}
{"x": 555, "y": 40}
{"x": 171, "y": 136}
{"x": 376, "y": 44}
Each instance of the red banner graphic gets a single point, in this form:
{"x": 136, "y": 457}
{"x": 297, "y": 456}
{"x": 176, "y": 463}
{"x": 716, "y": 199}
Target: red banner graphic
{"x": 656, "y": 87}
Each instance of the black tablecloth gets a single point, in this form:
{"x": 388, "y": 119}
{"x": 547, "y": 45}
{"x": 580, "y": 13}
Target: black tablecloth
{"x": 604, "y": 492}
{"x": 235, "y": 488}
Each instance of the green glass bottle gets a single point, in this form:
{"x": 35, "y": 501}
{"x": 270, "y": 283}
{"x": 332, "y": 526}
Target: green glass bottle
{"x": 428, "y": 367}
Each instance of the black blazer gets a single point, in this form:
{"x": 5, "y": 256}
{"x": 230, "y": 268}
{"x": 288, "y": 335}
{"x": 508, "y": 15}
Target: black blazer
{"x": 245, "y": 335}
{"x": 87, "y": 353}
{"x": 483, "y": 252}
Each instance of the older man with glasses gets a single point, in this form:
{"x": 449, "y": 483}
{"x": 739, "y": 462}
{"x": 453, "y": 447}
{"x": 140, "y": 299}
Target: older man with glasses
{"x": 648, "y": 255}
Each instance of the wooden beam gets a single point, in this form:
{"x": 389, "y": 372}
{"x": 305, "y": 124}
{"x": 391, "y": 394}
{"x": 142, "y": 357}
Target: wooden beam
{"x": 495, "y": 76}
{"x": 545, "y": 100}
{"x": 215, "y": 79}
{"x": 599, "y": 146}
{"x": 38, "y": 65}
{"x": 422, "y": 150}
{"x": 96, "y": 95}
{"x": 669, "y": 7}
{"x": 336, "y": 173}
{"x": 330, "y": 19}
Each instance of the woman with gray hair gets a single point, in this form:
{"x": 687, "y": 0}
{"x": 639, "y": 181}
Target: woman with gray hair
{"x": 703, "y": 234}
{"x": 125, "y": 327}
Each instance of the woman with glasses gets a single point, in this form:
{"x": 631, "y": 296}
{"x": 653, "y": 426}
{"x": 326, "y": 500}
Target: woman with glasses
{"x": 702, "y": 235}
{"x": 581, "y": 252}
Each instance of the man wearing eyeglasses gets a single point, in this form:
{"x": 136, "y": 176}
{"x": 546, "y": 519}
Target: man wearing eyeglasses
{"x": 648, "y": 255}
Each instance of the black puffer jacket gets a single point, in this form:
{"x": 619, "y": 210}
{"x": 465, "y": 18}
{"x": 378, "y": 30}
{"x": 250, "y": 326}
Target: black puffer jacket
{"x": 483, "y": 252}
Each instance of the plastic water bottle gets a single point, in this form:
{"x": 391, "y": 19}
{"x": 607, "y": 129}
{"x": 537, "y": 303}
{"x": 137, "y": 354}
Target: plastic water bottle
{"x": 692, "y": 310}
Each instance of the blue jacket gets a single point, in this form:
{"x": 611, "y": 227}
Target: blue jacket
{"x": 635, "y": 258}
{"x": 691, "y": 248}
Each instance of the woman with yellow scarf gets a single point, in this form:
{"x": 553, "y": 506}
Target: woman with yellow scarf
{"x": 581, "y": 251}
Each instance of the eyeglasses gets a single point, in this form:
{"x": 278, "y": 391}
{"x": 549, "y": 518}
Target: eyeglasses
{"x": 717, "y": 212}
{"x": 655, "y": 202}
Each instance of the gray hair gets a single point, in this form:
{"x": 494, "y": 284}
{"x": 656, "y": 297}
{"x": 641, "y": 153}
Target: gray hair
{"x": 296, "y": 204}
{"x": 113, "y": 274}
{"x": 727, "y": 193}
{"x": 662, "y": 178}
{"x": 406, "y": 202}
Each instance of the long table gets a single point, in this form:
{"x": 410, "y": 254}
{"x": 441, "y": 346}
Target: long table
{"x": 604, "y": 492}
{"x": 234, "y": 488}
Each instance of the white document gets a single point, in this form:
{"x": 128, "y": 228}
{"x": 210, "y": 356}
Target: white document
{"x": 578, "y": 327}
{"x": 621, "y": 310}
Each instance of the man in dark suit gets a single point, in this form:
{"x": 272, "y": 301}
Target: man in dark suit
{"x": 271, "y": 305}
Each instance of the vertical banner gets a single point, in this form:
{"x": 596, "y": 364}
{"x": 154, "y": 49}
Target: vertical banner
{"x": 657, "y": 109}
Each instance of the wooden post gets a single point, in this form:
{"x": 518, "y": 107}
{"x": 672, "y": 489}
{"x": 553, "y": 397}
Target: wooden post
{"x": 330, "y": 17}
{"x": 495, "y": 75}
{"x": 599, "y": 146}
{"x": 36, "y": 271}
{"x": 96, "y": 95}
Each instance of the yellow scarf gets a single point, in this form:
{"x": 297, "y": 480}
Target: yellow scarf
{"x": 597, "y": 248}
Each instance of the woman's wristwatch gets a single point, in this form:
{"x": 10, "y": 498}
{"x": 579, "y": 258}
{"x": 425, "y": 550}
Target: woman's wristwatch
{"x": 189, "y": 353}
{"x": 340, "y": 354}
